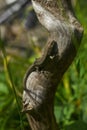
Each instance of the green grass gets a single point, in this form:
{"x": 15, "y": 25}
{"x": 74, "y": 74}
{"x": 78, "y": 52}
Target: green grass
{"x": 71, "y": 95}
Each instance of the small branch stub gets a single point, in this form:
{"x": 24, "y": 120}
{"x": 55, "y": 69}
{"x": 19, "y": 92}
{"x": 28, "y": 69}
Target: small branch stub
{"x": 44, "y": 75}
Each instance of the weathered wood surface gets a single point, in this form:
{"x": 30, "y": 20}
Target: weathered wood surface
{"x": 42, "y": 78}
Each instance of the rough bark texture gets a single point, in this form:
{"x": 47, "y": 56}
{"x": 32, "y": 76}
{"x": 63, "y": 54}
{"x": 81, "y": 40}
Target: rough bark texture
{"x": 43, "y": 77}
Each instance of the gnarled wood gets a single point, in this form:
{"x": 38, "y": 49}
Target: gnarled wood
{"x": 44, "y": 75}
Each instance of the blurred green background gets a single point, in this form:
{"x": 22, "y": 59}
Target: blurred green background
{"x": 71, "y": 96}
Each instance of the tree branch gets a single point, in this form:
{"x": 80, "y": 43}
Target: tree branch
{"x": 44, "y": 75}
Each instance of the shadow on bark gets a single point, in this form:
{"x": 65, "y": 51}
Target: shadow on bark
{"x": 43, "y": 77}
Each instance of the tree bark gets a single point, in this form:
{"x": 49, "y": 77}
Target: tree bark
{"x": 43, "y": 77}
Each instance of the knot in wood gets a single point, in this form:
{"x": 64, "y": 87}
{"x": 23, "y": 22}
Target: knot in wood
{"x": 35, "y": 91}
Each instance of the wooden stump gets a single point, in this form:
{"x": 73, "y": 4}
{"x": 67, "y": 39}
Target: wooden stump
{"x": 43, "y": 77}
